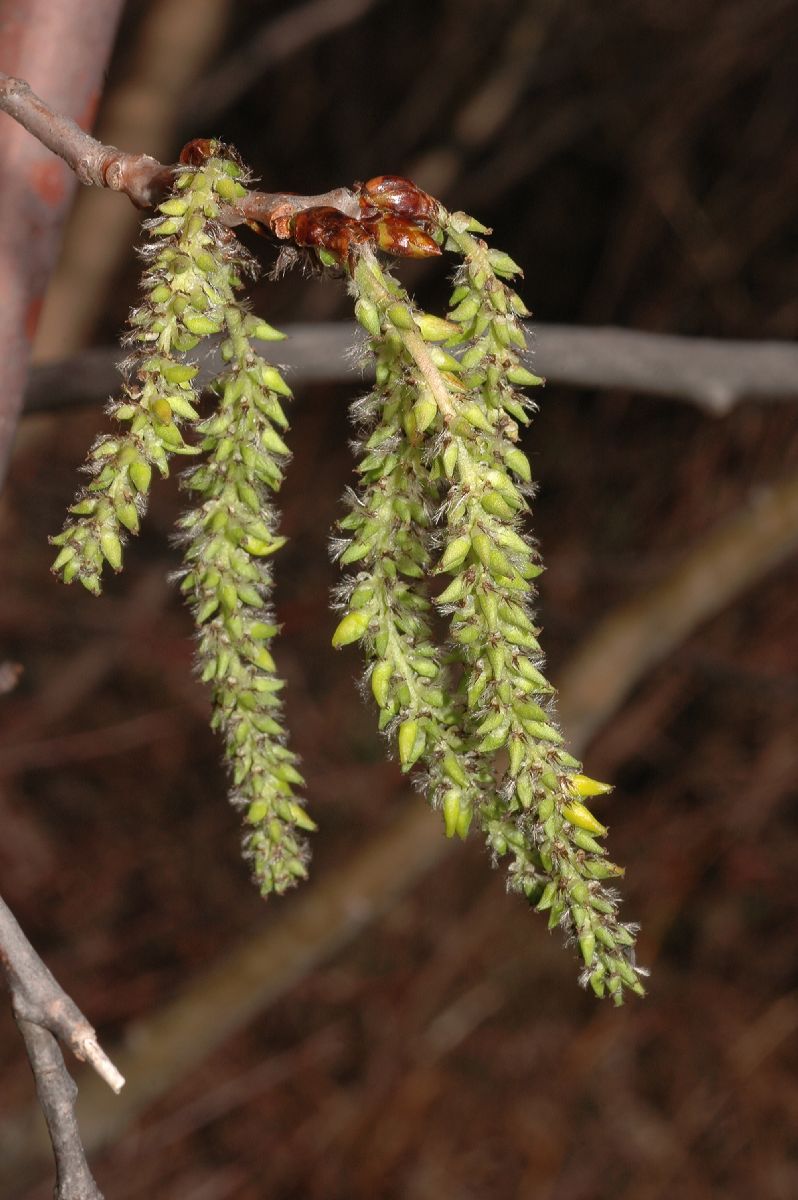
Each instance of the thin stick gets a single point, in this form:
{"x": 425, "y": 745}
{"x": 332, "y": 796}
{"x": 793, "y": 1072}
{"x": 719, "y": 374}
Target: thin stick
{"x": 57, "y": 1093}
{"x": 44, "y": 1012}
{"x": 140, "y": 177}
{"x": 37, "y": 997}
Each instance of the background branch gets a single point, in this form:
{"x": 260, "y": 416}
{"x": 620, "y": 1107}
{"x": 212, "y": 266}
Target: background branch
{"x": 713, "y": 374}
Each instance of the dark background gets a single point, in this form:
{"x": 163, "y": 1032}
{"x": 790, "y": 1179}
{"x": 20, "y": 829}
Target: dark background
{"x": 640, "y": 161}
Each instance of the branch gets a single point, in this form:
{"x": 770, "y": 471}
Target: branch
{"x": 140, "y": 177}
{"x": 44, "y": 1012}
{"x": 57, "y": 1093}
{"x": 715, "y": 375}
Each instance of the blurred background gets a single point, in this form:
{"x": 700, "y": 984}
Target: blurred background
{"x": 640, "y": 162}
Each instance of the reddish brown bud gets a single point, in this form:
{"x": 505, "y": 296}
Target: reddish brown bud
{"x": 401, "y": 197}
{"x": 198, "y": 151}
{"x": 397, "y": 236}
{"x": 329, "y": 229}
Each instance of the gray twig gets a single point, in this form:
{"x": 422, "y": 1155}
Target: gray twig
{"x": 44, "y": 1012}
{"x": 713, "y": 374}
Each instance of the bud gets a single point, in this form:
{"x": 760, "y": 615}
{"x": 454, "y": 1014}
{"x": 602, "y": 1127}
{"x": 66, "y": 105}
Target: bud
{"x": 393, "y": 194}
{"x": 583, "y": 785}
{"x": 581, "y": 816}
{"x": 394, "y": 235}
{"x": 112, "y": 549}
{"x": 451, "y": 811}
{"x": 200, "y": 324}
{"x": 381, "y": 681}
{"x": 271, "y": 440}
{"x": 196, "y": 152}
{"x": 466, "y": 310}
{"x": 455, "y": 553}
{"x": 477, "y": 417}
{"x": 587, "y": 945}
{"x": 494, "y": 740}
{"x": 548, "y": 896}
{"x": 425, "y": 411}
{"x": 503, "y": 264}
{"x": 128, "y": 515}
{"x": 368, "y": 316}
{"x": 517, "y": 461}
{"x": 273, "y": 380}
{"x": 517, "y": 753}
{"x": 435, "y": 329}
{"x": 496, "y": 505}
{"x": 523, "y": 378}
{"x": 406, "y": 741}
{"x": 351, "y": 628}
{"x": 449, "y": 459}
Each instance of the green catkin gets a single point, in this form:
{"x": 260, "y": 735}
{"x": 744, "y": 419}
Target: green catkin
{"x": 458, "y": 425}
{"x": 229, "y": 535}
{"x": 194, "y": 272}
{"x": 535, "y": 815}
{"x": 442, "y": 491}
{"x": 181, "y": 303}
{"x": 387, "y": 541}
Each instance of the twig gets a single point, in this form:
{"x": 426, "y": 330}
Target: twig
{"x": 713, "y": 374}
{"x": 142, "y": 178}
{"x": 329, "y": 914}
{"x": 44, "y": 1012}
{"x": 37, "y": 997}
{"x": 57, "y": 1093}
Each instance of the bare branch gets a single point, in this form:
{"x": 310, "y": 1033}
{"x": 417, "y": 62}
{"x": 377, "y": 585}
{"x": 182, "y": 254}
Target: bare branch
{"x": 44, "y": 1012}
{"x": 716, "y": 375}
{"x": 142, "y": 178}
{"x": 713, "y": 373}
{"x": 37, "y": 997}
{"x": 57, "y": 1093}
{"x": 642, "y": 632}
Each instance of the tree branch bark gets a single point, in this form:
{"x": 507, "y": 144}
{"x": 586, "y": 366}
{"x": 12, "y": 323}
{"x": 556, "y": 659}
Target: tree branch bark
{"x": 44, "y": 1013}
